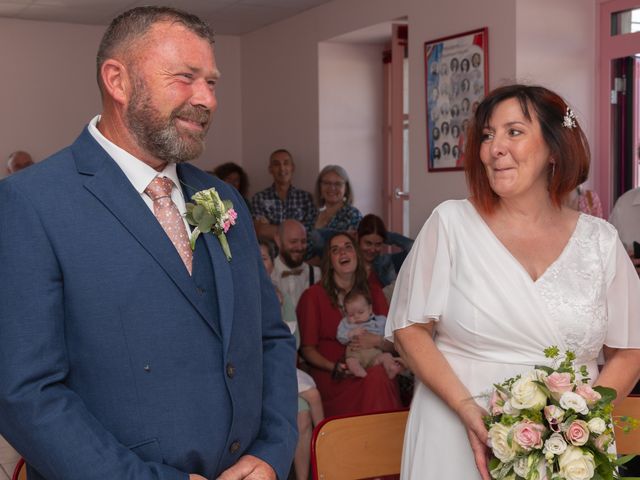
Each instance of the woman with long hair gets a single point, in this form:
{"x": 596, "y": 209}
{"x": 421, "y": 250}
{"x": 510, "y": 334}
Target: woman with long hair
{"x": 319, "y": 312}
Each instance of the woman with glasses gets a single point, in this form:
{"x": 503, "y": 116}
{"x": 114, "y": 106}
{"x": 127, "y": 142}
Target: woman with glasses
{"x": 336, "y": 212}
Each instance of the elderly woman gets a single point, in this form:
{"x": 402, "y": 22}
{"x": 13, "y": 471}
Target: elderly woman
{"x": 495, "y": 279}
{"x": 336, "y": 212}
{"x": 319, "y": 313}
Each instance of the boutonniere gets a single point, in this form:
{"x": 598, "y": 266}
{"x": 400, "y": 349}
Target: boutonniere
{"x": 209, "y": 213}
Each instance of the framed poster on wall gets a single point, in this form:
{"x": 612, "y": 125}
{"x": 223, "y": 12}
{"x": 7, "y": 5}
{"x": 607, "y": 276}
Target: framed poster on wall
{"x": 457, "y": 79}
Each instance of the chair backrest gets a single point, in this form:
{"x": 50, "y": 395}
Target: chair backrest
{"x": 361, "y": 446}
{"x": 20, "y": 472}
{"x": 628, "y": 443}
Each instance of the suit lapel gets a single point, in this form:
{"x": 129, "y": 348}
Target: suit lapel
{"x": 221, "y": 267}
{"x": 108, "y": 183}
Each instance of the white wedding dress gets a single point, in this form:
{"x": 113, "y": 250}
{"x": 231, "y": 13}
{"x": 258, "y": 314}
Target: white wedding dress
{"x": 493, "y": 321}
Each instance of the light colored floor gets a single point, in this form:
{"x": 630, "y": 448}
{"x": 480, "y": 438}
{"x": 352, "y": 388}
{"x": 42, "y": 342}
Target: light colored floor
{"x": 8, "y": 459}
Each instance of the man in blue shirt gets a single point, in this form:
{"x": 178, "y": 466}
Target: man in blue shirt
{"x": 281, "y": 200}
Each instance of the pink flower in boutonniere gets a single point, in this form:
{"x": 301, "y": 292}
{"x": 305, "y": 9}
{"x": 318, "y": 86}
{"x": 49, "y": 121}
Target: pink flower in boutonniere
{"x": 209, "y": 213}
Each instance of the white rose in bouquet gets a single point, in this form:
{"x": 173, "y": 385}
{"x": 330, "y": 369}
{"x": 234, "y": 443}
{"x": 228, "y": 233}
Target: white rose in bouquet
{"x": 575, "y": 402}
{"x": 554, "y": 445}
{"x": 576, "y": 464}
{"x": 498, "y": 439}
{"x": 526, "y": 394}
{"x": 597, "y": 425}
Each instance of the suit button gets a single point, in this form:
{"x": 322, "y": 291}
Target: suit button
{"x": 234, "y": 447}
{"x": 200, "y": 290}
{"x": 231, "y": 370}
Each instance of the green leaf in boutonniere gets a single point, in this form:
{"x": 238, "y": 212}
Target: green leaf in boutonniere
{"x": 209, "y": 213}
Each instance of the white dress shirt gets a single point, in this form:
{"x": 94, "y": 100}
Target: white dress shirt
{"x": 292, "y": 285}
{"x": 139, "y": 173}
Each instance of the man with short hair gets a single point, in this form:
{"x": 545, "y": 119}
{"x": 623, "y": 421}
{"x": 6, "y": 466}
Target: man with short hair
{"x": 126, "y": 354}
{"x": 281, "y": 200}
{"x": 290, "y": 274}
{"x": 17, "y": 161}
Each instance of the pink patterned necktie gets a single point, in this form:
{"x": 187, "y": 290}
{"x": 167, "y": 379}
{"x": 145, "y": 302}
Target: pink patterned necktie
{"x": 169, "y": 217}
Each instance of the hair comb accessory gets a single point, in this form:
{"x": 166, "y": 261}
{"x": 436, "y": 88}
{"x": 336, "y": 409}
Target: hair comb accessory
{"x": 569, "y": 120}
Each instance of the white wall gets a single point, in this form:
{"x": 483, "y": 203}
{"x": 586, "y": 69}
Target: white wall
{"x": 280, "y": 82}
{"x": 49, "y": 90}
{"x": 560, "y": 57}
{"x": 350, "y": 99}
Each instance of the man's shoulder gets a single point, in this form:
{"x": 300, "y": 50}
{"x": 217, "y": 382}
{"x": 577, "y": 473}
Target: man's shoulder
{"x": 298, "y": 192}
{"x": 316, "y": 272}
{"x": 51, "y": 172}
{"x": 630, "y": 197}
{"x": 265, "y": 193}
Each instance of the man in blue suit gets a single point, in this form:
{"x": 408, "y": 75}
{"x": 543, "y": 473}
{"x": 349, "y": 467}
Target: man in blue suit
{"x": 124, "y": 355}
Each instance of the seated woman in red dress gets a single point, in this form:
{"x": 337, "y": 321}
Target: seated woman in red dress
{"x": 319, "y": 313}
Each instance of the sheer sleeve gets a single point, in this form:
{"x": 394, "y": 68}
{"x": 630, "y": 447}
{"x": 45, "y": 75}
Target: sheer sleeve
{"x": 422, "y": 286}
{"x": 623, "y": 300}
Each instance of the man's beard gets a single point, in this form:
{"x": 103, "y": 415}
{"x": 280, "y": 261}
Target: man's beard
{"x": 159, "y": 135}
{"x": 290, "y": 262}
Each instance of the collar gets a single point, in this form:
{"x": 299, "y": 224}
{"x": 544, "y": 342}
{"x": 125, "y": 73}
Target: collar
{"x": 139, "y": 173}
{"x": 636, "y": 197}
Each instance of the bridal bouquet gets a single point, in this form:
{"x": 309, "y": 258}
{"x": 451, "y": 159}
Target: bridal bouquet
{"x": 549, "y": 424}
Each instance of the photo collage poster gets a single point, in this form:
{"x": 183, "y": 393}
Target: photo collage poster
{"x": 456, "y": 83}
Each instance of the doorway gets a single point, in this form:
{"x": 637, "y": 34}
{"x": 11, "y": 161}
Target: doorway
{"x": 618, "y": 152}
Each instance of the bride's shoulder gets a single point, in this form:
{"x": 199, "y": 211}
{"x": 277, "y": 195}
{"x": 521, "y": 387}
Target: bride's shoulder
{"x": 595, "y": 230}
{"x": 450, "y": 208}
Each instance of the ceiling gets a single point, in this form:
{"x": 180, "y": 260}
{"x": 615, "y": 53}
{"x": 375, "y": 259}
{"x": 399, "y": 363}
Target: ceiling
{"x": 227, "y": 17}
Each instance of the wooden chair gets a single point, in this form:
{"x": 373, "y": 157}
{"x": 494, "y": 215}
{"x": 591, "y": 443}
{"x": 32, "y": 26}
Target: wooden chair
{"x": 360, "y": 446}
{"x": 628, "y": 443}
{"x": 20, "y": 472}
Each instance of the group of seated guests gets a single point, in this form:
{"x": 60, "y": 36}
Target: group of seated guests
{"x": 337, "y": 311}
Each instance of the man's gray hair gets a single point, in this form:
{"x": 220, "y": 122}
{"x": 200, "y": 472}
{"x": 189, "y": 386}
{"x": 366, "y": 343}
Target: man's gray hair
{"x": 136, "y": 22}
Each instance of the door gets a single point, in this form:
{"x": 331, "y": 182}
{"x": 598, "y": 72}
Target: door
{"x": 396, "y": 130}
{"x": 618, "y": 100}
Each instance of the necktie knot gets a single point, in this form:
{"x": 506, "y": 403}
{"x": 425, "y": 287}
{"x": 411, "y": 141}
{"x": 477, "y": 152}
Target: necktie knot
{"x": 160, "y": 187}
{"x": 295, "y": 271}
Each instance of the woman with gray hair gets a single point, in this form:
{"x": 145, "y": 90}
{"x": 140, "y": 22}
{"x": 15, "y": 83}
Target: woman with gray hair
{"x": 336, "y": 212}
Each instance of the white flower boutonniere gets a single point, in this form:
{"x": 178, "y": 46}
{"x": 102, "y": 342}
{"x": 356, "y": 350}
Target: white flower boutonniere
{"x": 209, "y": 213}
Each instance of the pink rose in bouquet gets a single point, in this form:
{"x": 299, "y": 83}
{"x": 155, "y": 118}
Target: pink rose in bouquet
{"x": 588, "y": 393}
{"x": 577, "y": 433}
{"x": 528, "y": 434}
{"x": 558, "y": 383}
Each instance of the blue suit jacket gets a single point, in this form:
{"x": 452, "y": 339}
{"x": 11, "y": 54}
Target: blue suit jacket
{"x": 110, "y": 366}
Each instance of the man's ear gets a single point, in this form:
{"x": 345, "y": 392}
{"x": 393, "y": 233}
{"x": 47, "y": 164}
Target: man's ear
{"x": 276, "y": 238}
{"x": 116, "y": 80}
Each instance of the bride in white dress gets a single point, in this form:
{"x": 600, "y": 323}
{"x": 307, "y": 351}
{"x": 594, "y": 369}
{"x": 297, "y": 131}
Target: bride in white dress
{"x": 494, "y": 280}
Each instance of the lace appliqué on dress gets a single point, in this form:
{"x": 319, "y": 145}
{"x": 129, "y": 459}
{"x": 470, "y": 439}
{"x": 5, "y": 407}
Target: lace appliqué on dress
{"x": 574, "y": 292}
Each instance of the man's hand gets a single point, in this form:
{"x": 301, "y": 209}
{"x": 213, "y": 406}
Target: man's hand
{"x": 249, "y": 467}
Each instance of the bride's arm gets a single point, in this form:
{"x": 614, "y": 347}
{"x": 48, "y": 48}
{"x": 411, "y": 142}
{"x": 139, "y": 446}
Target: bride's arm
{"x": 417, "y": 348}
{"x": 621, "y": 370}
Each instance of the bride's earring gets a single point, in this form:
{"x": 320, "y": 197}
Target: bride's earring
{"x": 553, "y": 169}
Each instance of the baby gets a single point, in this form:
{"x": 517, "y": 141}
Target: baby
{"x": 358, "y": 320}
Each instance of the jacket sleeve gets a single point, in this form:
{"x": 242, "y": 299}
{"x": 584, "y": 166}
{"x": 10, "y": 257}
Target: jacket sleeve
{"x": 46, "y": 421}
{"x": 278, "y": 435}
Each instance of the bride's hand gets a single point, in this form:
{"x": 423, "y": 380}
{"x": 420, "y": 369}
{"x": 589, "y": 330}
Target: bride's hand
{"x": 471, "y": 414}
